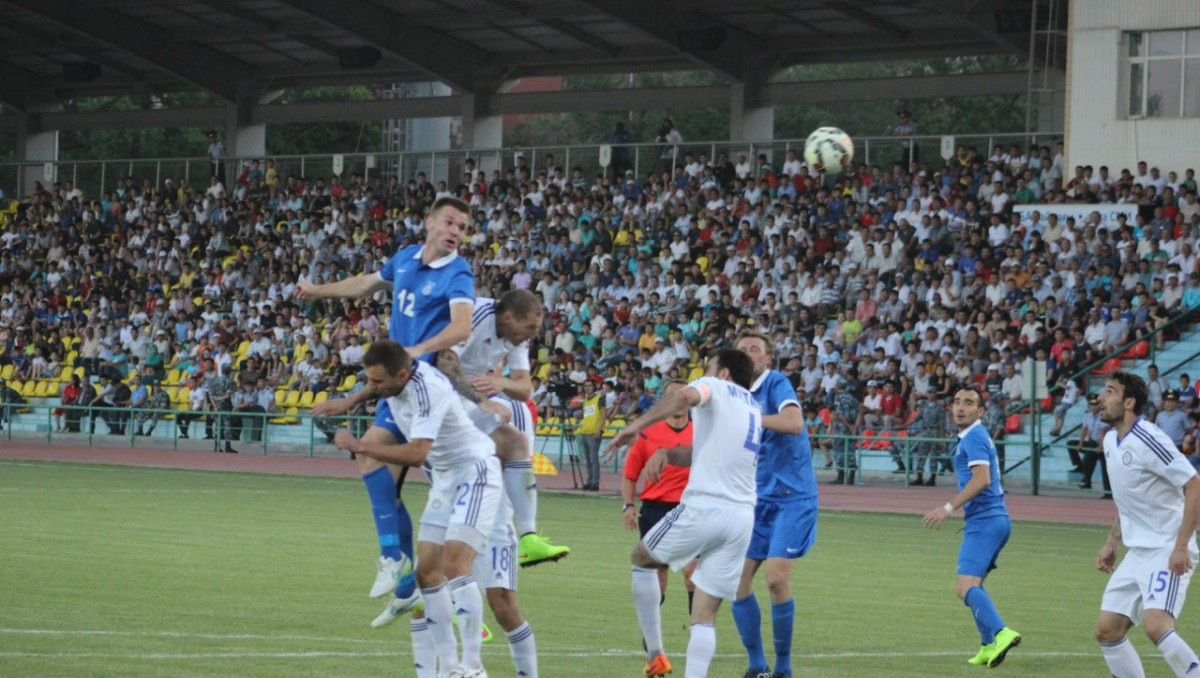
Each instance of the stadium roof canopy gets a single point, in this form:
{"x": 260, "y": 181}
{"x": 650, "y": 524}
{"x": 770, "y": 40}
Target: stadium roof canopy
{"x": 53, "y": 51}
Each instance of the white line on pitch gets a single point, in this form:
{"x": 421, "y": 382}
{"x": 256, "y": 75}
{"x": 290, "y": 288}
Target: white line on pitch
{"x": 615, "y": 654}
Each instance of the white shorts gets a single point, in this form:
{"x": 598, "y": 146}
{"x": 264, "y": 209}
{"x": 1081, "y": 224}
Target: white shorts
{"x": 522, "y": 418}
{"x": 462, "y": 504}
{"x": 1142, "y": 582}
{"x": 495, "y": 566}
{"x": 718, "y": 536}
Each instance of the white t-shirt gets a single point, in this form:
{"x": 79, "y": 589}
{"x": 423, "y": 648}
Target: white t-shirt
{"x": 1147, "y": 473}
{"x": 429, "y": 409}
{"x": 484, "y": 349}
{"x": 727, "y": 428}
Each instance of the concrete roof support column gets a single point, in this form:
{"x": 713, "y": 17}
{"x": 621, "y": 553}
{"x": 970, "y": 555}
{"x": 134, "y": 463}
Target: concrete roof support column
{"x": 37, "y": 146}
{"x": 750, "y": 118}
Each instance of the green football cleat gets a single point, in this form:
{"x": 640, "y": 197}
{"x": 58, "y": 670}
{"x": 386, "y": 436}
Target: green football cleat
{"x": 985, "y": 651}
{"x": 534, "y": 550}
{"x": 1006, "y": 640}
{"x": 487, "y": 634}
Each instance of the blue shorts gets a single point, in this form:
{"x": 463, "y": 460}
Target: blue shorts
{"x": 983, "y": 539}
{"x": 384, "y": 420}
{"x": 783, "y": 529}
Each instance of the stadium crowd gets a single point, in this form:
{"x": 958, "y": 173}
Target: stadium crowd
{"x": 883, "y": 288}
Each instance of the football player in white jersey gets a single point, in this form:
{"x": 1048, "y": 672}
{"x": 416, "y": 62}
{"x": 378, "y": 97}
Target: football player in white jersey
{"x": 500, "y": 334}
{"x": 424, "y": 423}
{"x": 715, "y": 518}
{"x": 1157, "y": 493}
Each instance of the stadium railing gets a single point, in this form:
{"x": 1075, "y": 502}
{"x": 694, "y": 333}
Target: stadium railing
{"x": 95, "y": 177}
{"x": 1144, "y": 347}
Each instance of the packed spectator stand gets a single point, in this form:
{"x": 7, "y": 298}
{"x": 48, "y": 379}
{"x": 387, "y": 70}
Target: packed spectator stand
{"x": 894, "y": 285}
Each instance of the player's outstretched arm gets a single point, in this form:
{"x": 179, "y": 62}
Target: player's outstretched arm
{"x": 350, "y": 288}
{"x": 412, "y": 453}
{"x": 447, "y": 362}
{"x": 669, "y": 405}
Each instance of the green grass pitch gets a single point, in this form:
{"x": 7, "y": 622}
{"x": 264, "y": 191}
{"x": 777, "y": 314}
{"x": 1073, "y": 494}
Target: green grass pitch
{"x": 113, "y": 571}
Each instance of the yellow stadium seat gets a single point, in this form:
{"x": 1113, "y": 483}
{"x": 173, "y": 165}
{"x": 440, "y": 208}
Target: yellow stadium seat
{"x": 28, "y": 389}
{"x": 71, "y": 357}
{"x": 292, "y": 400}
{"x": 291, "y": 415}
{"x": 80, "y": 372}
{"x": 7, "y": 372}
{"x": 173, "y": 376}
{"x": 306, "y": 400}
{"x": 183, "y": 396}
{"x": 65, "y": 375}
{"x": 348, "y": 383}
{"x": 280, "y": 397}
{"x": 696, "y": 373}
{"x": 543, "y": 371}
{"x": 242, "y": 349}
{"x": 172, "y": 392}
{"x": 41, "y": 389}
{"x": 321, "y": 397}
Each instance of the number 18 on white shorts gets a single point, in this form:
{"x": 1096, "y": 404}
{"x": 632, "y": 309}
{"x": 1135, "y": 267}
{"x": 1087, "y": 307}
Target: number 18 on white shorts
{"x": 1143, "y": 582}
{"x": 462, "y": 504}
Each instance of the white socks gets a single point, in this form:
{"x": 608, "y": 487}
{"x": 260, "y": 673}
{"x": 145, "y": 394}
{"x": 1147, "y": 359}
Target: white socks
{"x": 521, "y": 488}
{"x": 646, "y": 597}
{"x": 523, "y": 648}
{"x": 468, "y": 605}
{"x": 1181, "y": 658}
{"x": 439, "y": 620}
{"x": 701, "y": 647}
{"x": 424, "y": 649}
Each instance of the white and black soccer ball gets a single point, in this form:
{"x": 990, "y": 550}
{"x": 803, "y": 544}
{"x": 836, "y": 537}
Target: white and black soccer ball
{"x": 829, "y": 149}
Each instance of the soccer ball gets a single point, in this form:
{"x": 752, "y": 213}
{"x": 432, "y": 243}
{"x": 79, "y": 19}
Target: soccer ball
{"x": 829, "y": 149}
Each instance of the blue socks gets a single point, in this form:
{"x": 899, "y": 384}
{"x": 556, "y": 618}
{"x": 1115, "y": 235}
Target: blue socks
{"x": 392, "y": 523}
{"x": 987, "y": 619}
{"x": 381, "y": 490}
{"x": 782, "y": 615}
{"x": 748, "y": 618}
{"x": 408, "y": 583}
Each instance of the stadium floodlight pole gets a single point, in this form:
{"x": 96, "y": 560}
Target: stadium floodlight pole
{"x": 1029, "y": 79}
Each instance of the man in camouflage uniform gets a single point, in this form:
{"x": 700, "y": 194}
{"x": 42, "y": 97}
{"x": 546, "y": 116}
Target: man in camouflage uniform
{"x": 993, "y": 422}
{"x": 845, "y": 423}
{"x": 220, "y": 403}
{"x": 159, "y": 400}
{"x": 930, "y": 423}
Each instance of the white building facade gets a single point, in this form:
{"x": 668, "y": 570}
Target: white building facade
{"x": 1133, "y": 79}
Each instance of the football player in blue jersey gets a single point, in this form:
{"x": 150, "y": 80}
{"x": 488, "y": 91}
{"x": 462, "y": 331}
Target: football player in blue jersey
{"x": 986, "y": 525}
{"x": 785, "y": 516}
{"x": 433, "y": 296}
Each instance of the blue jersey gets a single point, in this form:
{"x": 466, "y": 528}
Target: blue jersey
{"x": 423, "y": 293}
{"x": 785, "y": 470}
{"x": 975, "y": 446}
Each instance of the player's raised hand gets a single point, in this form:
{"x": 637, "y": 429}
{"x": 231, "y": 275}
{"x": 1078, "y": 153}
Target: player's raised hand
{"x": 1106, "y": 560}
{"x": 304, "y": 291}
{"x": 624, "y": 438}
